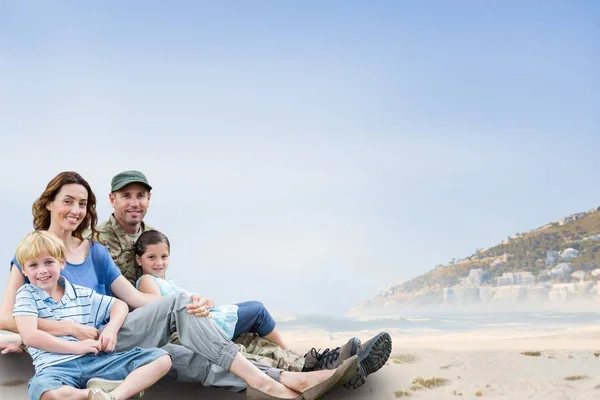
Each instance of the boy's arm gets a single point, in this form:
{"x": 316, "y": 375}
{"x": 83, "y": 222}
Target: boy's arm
{"x": 33, "y": 337}
{"x": 118, "y": 313}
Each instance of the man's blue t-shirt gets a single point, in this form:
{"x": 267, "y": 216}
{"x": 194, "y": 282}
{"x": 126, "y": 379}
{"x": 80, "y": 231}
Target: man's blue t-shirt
{"x": 97, "y": 272}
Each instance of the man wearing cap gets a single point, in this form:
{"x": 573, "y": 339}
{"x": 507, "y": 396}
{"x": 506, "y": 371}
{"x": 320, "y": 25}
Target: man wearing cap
{"x": 129, "y": 195}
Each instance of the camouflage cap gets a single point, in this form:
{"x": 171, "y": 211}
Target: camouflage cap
{"x": 124, "y": 178}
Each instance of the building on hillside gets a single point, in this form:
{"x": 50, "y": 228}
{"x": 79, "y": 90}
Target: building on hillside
{"x": 486, "y": 293}
{"x": 562, "y": 292}
{"x": 539, "y": 292}
{"x": 476, "y": 275}
{"x": 507, "y": 278}
{"x": 569, "y": 253}
{"x": 511, "y": 293}
{"x": 579, "y": 274}
{"x": 448, "y": 295}
{"x": 560, "y": 270}
{"x": 523, "y": 278}
{"x": 552, "y": 257}
{"x": 571, "y": 218}
{"x": 465, "y": 294}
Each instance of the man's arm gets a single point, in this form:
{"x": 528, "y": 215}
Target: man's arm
{"x": 33, "y": 337}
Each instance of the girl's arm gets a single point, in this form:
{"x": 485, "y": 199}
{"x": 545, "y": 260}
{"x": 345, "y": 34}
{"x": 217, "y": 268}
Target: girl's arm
{"x": 149, "y": 285}
{"x": 200, "y": 306}
{"x": 55, "y": 328}
{"x": 125, "y": 291}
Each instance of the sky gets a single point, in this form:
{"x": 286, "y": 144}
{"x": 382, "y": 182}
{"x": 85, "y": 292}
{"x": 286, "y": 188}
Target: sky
{"x": 306, "y": 154}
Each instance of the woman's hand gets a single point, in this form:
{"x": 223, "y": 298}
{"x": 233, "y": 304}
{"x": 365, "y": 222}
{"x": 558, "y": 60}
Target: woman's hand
{"x": 200, "y": 306}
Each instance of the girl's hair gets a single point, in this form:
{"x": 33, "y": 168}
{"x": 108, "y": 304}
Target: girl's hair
{"x": 41, "y": 214}
{"x": 149, "y": 238}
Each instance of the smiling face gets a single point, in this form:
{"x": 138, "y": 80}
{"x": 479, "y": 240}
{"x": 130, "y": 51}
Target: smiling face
{"x": 130, "y": 206}
{"x": 155, "y": 260}
{"x": 68, "y": 208}
{"x": 43, "y": 271}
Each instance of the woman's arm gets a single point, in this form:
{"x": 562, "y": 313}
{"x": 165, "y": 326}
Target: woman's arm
{"x": 15, "y": 281}
{"x": 125, "y": 291}
{"x": 55, "y": 328}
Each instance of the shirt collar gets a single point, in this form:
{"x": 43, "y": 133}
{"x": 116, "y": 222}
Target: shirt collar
{"x": 62, "y": 281}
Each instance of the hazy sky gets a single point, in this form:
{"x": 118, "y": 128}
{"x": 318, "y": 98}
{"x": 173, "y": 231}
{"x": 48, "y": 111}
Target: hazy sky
{"x": 307, "y": 154}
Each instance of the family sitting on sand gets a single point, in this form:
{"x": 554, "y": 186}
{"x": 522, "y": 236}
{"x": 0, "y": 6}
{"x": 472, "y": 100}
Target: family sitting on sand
{"x": 71, "y": 287}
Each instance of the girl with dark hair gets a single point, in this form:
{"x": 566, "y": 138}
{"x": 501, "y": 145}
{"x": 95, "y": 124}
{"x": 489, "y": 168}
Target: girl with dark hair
{"x": 152, "y": 253}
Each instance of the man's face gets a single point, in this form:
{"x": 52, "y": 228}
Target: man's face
{"x": 130, "y": 204}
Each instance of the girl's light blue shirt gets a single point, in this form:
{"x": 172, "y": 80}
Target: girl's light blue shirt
{"x": 224, "y": 316}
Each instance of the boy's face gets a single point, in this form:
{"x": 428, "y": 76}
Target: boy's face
{"x": 43, "y": 271}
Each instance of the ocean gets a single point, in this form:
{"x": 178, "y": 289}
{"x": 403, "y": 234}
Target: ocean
{"x": 448, "y": 322}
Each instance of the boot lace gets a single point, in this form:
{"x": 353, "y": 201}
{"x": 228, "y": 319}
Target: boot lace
{"x": 326, "y": 359}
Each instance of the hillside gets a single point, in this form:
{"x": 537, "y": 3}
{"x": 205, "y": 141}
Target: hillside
{"x": 538, "y": 252}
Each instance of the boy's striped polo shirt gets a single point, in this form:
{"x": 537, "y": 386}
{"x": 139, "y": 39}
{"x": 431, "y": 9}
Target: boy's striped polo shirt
{"x": 79, "y": 304}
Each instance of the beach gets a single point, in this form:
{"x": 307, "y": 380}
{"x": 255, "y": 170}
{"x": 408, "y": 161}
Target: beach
{"x": 499, "y": 364}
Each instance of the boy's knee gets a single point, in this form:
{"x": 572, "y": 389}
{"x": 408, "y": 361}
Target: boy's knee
{"x": 165, "y": 363}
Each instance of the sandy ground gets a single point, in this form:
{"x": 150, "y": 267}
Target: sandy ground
{"x": 468, "y": 366}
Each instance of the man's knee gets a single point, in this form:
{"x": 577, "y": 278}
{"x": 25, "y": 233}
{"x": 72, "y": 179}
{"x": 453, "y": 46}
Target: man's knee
{"x": 181, "y": 300}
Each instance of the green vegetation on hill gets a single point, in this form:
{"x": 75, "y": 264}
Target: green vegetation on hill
{"x": 524, "y": 252}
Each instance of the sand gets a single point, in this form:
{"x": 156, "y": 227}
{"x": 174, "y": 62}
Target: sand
{"x": 468, "y": 366}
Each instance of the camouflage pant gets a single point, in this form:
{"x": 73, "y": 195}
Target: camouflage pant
{"x": 255, "y": 348}
{"x": 261, "y": 350}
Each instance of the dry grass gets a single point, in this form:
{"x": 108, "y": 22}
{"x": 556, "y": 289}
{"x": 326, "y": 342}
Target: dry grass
{"x": 445, "y": 366}
{"x": 430, "y": 383}
{"x": 597, "y": 353}
{"x": 532, "y": 353}
{"x": 401, "y": 393}
{"x": 456, "y": 393}
{"x": 576, "y": 377}
{"x": 478, "y": 393}
{"x": 597, "y": 387}
{"x": 414, "y": 388}
{"x": 405, "y": 358}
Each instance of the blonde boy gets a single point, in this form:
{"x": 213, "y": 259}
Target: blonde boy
{"x": 64, "y": 365}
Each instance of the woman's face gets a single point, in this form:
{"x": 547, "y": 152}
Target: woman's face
{"x": 69, "y": 207}
{"x": 155, "y": 260}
